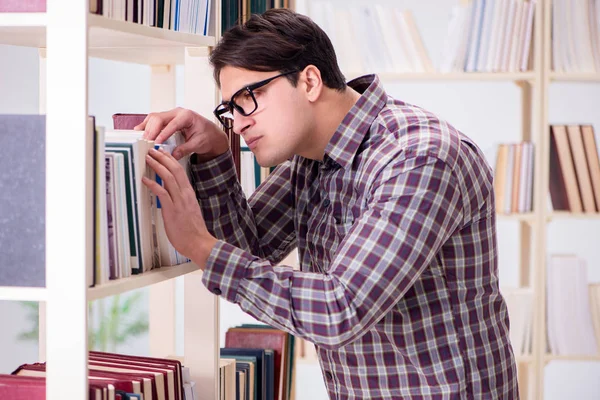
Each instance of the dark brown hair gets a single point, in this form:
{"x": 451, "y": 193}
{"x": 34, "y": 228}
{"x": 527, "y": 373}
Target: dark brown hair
{"x": 278, "y": 40}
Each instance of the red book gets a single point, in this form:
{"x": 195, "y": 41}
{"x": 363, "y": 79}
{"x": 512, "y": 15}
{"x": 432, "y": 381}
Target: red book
{"x": 22, "y": 387}
{"x": 22, "y": 5}
{"x": 264, "y": 338}
{"x": 127, "y": 121}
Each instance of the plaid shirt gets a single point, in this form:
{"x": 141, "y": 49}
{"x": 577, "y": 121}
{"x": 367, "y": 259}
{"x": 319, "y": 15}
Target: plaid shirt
{"x": 396, "y": 234}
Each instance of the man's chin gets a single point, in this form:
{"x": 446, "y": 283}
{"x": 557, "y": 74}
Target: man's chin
{"x": 267, "y": 162}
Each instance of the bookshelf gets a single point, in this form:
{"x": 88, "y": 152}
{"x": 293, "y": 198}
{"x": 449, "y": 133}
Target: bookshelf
{"x": 66, "y": 37}
{"x": 541, "y": 357}
{"x": 533, "y": 247}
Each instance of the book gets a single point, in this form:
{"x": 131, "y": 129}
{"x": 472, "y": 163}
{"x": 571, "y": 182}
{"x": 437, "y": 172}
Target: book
{"x": 23, "y": 200}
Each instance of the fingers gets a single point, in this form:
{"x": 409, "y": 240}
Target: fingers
{"x": 154, "y": 123}
{"x": 183, "y": 150}
{"x": 160, "y": 192}
{"x": 169, "y": 179}
{"x": 173, "y": 126}
{"x": 168, "y": 165}
{"x": 142, "y": 125}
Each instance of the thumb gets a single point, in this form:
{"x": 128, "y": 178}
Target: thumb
{"x": 183, "y": 150}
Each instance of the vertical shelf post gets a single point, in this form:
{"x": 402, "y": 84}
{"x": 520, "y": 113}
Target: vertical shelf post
{"x": 542, "y": 64}
{"x": 42, "y": 111}
{"x": 201, "y": 314}
{"x": 161, "y": 319}
{"x": 69, "y": 202}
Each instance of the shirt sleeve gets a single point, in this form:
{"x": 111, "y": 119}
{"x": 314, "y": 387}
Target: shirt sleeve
{"x": 414, "y": 207}
{"x": 261, "y": 225}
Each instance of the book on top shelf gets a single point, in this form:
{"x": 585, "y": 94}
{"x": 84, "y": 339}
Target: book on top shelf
{"x": 190, "y": 16}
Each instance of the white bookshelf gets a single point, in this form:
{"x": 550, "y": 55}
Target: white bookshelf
{"x": 133, "y": 282}
{"x": 574, "y": 77}
{"x": 534, "y": 86}
{"x": 15, "y": 293}
{"x": 107, "y": 38}
{"x": 454, "y": 76}
{"x": 67, "y": 35}
{"x": 581, "y": 358}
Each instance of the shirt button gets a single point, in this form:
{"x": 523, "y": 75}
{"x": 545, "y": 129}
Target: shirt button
{"x": 217, "y": 291}
{"x": 328, "y": 376}
{"x": 326, "y": 203}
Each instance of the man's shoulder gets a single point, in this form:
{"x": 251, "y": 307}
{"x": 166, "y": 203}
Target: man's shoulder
{"x": 412, "y": 131}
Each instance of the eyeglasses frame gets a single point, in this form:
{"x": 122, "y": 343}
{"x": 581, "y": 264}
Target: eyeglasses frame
{"x": 219, "y": 111}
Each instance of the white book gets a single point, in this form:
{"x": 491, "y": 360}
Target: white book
{"x": 516, "y": 61}
{"x": 527, "y": 42}
{"x": 453, "y": 38}
{"x": 124, "y": 252}
{"x": 495, "y": 35}
{"x": 486, "y": 35}
{"x": 144, "y": 196}
{"x": 476, "y": 33}
{"x": 509, "y": 179}
{"x": 510, "y": 60}
{"x": 502, "y": 60}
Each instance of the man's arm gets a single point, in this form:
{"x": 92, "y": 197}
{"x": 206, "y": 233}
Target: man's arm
{"x": 414, "y": 207}
{"x": 264, "y": 225}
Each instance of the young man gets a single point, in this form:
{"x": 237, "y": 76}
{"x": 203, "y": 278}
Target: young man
{"x": 391, "y": 209}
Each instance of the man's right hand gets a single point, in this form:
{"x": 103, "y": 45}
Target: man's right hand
{"x": 202, "y": 136}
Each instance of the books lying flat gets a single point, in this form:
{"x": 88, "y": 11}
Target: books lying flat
{"x": 119, "y": 376}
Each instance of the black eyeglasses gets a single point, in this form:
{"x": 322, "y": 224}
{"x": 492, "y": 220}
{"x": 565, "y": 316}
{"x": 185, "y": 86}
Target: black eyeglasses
{"x": 243, "y": 101}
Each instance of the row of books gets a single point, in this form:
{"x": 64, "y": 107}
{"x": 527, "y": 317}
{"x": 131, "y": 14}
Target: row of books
{"x": 572, "y": 310}
{"x": 576, "y": 36}
{"x": 262, "y": 360}
{"x": 574, "y": 169}
{"x": 513, "y": 177}
{"x": 110, "y": 377}
{"x": 252, "y": 174}
{"x": 191, "y": 16}
{"x": 372, "y": 37}
{"x": 573, "y": 329}
{"x": 490, "y": 36}
{"x": 130, "y": 232}
{"x": 519, "y": 302}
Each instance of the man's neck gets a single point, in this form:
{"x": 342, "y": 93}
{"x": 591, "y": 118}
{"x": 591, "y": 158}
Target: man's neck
{"x": 332, "y": 110}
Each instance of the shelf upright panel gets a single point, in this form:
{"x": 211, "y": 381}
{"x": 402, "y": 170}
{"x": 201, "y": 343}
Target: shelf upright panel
{"x": 201, "y": 313}
{"x": 42, "y": 111}
{"x": 162, "y": 321}
{"x": 69, "y": 211}
{"x": 543, "y": 25}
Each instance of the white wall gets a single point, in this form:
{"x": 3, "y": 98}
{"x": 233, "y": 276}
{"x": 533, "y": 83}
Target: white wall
{"x": 488, "y": 112}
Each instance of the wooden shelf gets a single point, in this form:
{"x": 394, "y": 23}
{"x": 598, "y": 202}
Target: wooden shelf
{"x": 555, "y": 215}
{"x": 452, "y": 76}
{"x": 582, "y": 357}
{"x": 574, "y": 77}
{"x": 123, "y": 285}
{"x": 14, "y": 293}
{"x": 522, "y": 217}
{"x": 108, "y": 39}
{"x": 524, "y": 359}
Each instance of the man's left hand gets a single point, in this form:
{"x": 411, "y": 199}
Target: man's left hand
{"x": 181, "y": 213}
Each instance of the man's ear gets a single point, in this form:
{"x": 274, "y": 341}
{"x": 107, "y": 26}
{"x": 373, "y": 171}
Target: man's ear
{"x": 311, "y": 77}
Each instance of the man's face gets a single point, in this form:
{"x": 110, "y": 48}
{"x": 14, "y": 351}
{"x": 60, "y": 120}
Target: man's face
{"x": 275, "y": 131}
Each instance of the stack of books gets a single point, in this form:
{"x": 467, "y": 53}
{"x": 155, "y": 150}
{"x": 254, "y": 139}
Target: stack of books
{"x": 574, "y": 169}
{"x": 110, "y": 377}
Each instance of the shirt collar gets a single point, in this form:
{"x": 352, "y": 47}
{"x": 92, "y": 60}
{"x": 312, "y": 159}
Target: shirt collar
{"x": 350, "y": 133}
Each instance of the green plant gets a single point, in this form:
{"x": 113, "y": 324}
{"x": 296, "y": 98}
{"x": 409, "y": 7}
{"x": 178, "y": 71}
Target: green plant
{"x": 106, "y": 330}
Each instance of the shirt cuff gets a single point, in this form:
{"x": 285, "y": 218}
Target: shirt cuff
{"x": 211, "y": 177}
{"x": 225, "y": 268}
